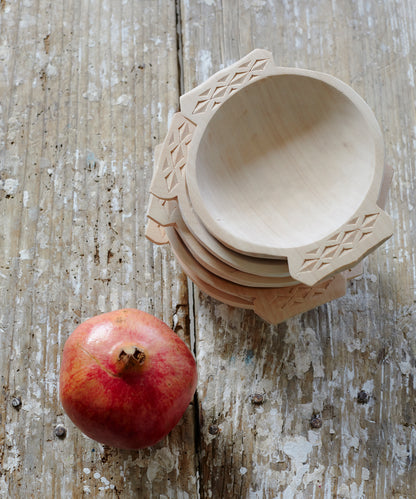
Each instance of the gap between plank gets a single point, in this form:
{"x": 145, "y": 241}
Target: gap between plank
{"x": 179, "y": 46}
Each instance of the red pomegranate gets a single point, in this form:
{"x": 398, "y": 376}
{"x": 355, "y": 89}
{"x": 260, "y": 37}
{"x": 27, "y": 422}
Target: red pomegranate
{"x": 126, "y": 378}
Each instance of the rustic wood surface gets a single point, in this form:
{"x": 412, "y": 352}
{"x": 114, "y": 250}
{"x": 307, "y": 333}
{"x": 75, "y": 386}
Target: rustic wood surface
{"x": 87, "y": 89}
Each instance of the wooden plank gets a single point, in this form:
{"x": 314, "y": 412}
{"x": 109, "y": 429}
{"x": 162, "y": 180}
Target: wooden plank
{"x": 86, "y": 91}
{"x": 317, "y": 363}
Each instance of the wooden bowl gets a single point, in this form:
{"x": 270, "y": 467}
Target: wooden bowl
{"x": 165, "y": 211}
{"x": 286, "y": 163}
{"x": 274, "y": 305}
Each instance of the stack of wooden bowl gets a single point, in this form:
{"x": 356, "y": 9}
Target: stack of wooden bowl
{"x": 269, "y": 187}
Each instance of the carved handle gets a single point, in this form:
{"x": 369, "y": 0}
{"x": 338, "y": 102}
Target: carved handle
{"x": 343, "y": 249}
{"x": 208, "y": 96}
{"x": 156, "y": 233}
{"x": 170, "y": 159}
{"x": 163, "y": 211}
{"x": 278, "y": 305}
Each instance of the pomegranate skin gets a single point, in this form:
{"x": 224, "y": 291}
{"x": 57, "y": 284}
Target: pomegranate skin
{"x": 126, "y": 378}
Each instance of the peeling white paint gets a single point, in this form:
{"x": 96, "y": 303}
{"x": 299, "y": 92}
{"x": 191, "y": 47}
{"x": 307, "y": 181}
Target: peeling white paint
{"x": 26, "y": 21}
{"x": 254, "y": 3}
{"x": 365, "y": 474}
{"x": 411, "y": 75}
{"x": 124, "y": 100}
{"x": 93, "y": 93}
{"x": 51, "y": 71}
{"x": 26, "y": 254}
{"x": 4, "y": 488}
{"x": 297, "y": 448}
{"x": 344, "y": 491}
{"x": 307, "y": 351}
{"x": 4, "y": 53}
{"x": 12, "y": 462}
{"x": 163, "y": 462}
{"x": 204, "y": 65}
{"x": 10, "y": 186}
{"x": 156, "y": 40}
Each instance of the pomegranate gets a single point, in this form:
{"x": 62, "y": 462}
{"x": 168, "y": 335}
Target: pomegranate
{"x": 126, "y": 378}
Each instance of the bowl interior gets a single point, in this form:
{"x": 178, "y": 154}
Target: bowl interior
{"x": 285, "y": 161}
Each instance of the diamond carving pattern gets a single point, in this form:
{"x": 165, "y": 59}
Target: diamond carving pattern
{"x": 224, "y": 86}
{"x": 297, "y": 295}
{"x": 356, "y": 230}
{"x": 178, "y": 141}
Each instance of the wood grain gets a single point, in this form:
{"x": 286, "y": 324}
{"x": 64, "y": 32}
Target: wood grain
{"x": 87, "y": 88}
{"x": 86, "y": 91}
{"x": 316, "y": 363}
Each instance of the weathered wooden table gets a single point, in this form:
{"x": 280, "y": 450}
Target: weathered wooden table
{"x": 87, "y": 89}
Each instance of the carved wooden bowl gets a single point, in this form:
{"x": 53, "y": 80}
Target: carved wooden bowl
{"x": 166, "y": 213}
{"x": 279, "y": 163}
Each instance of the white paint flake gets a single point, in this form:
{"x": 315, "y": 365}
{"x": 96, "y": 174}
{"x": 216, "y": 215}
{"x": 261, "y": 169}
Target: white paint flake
{"x": 10, "y": 186}
{"x": 93, "y": 94}
{"x": 124, "y": 100}
{"x": 298, "y": 449}
{"x": 164, "y": 462}
{"x": 205, "y": 65}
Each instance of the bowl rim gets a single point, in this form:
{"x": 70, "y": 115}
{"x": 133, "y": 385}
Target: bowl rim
{"x": 247, "y": 246}
{"x": 287, "y": 301}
